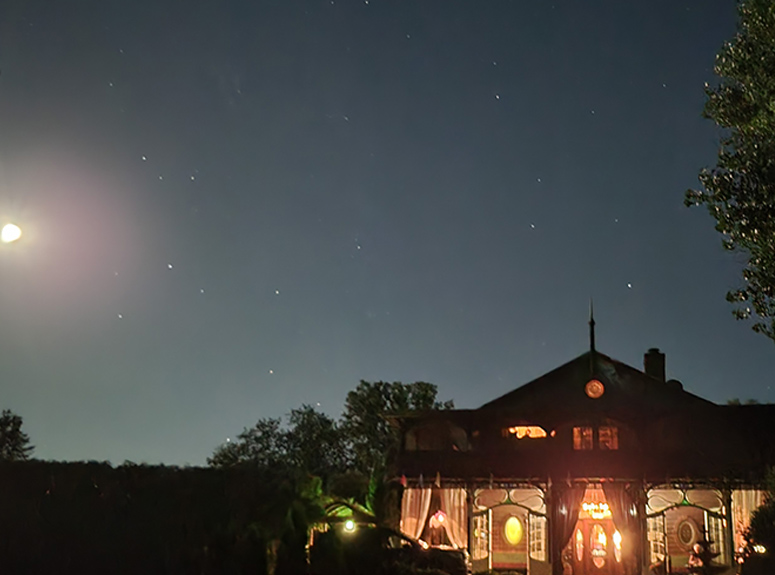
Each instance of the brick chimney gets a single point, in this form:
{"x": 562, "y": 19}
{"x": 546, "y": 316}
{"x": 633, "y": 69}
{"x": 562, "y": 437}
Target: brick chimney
{"x": 654, "y": 363}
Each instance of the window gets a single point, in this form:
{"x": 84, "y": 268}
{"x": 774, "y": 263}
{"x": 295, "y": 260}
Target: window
{"x": 480, "y": 544}
{"x": 656, "y": 537}
{"x": 529, "y": 431}
{"x": 608, "y": 437}
{"x": 582, "y": 438}
{"x": 537, "y": 528}
{"x": 714, "y": 527}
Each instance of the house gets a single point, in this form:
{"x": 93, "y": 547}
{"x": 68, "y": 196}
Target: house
{"x": 593, "y": 468}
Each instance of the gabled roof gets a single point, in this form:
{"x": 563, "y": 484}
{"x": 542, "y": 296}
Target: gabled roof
{"x": 627, "y": 389}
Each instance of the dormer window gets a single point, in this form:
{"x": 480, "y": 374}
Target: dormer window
{"x": 583, "y": 438}
{"x": 529, "y": 431}
{"x": 608, "y": 437}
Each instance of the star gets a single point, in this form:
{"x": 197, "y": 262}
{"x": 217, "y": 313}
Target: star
{"x": 143, "y": 158}
{"x": 629, "y": 286}
{"x": 271, "y": 372}
{"x": 169, "y": 266}
{"x": 121, "y": 316}
{"x": 277, "y": 292}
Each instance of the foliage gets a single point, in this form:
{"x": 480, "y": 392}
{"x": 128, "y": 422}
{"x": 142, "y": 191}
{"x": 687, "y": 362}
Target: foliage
{"x": 761, "y": 534}
{"x": 14, "y": 443}
{"x": 373, "y": 438}
{"x": 93, "y": 518}
{"x": 350, "y": 455}
{"x": 311, "y": 443}
{"x": 740, "y": 191}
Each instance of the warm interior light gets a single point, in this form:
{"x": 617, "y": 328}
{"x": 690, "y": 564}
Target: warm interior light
{"x": 437, "y": 519}
{"x": 597, "y": 510}
{"x": 10, "y": 233}
{"x": 349, "y": 525}
{"x": 531, "y": 431}
{"x": 617, "y": 546}
{"x": 760, "y": 549}
{"x": 513, "y": 531}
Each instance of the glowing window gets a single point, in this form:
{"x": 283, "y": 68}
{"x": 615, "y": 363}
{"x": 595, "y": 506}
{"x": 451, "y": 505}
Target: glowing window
{"x": 579, "y": 545}
{"x": 582, "y": 438}
{"x": 530, "y": 431}
{"x": 618, "y": 546}
{"x": 608, "y": 437}
{"x": 513, "y": 530}
{"x": 598, "y": 543}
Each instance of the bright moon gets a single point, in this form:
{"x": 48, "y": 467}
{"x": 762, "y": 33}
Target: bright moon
{"x": 10, "y": 233}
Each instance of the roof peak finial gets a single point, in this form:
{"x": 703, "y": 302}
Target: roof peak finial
{"x": 591, "y": 326}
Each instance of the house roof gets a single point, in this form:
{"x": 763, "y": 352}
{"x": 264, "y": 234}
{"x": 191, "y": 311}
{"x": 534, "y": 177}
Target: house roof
{"x": 626, "y": 390}
{"x": 672, "y": 432}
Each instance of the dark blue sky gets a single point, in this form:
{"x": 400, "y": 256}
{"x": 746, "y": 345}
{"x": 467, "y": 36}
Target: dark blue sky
{"x": 348, "y": 190}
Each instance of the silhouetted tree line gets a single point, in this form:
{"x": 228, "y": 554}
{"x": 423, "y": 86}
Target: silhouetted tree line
{"x": 351, "y": 455}
{"x": 249, "y": 512}
{"x": 84, "y": 518}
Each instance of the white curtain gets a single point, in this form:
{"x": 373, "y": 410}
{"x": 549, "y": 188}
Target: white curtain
{"x": 454, "y": 505}
{"x": 414, "y": 510}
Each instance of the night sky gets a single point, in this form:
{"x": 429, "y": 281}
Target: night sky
{"x": 232, "y": 208}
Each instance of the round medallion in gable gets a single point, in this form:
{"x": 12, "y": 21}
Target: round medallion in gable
{"x": 594, "y": 388}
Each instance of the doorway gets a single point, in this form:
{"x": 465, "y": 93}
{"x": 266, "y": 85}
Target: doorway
{"x": 595, "y": 548}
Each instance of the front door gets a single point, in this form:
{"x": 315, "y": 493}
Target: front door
{"x": 595, "y": 549}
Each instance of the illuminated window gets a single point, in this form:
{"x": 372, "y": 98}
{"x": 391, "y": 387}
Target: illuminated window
{"x": 618, "y": 546}
{"x": 579, "y": 545}
{"x": 582, "y": 438}
{"x": 530, "y": 431}
{"x": 598, "y": 543}
{"x": 608, "y": 437}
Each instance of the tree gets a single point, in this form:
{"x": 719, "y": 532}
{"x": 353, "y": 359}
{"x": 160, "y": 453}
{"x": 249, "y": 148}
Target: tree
{"x": 740, "y": 191}
{"x": 312, "y": 443}
{"x": 263, "y": 445}
{"x": 373, "y": 438}
{"x": 14, "y": 443}
{"x": 759, "y": 552}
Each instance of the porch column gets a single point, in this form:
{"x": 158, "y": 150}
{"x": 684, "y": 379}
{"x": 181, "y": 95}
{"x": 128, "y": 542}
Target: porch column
{"x": 729, "y": 527}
